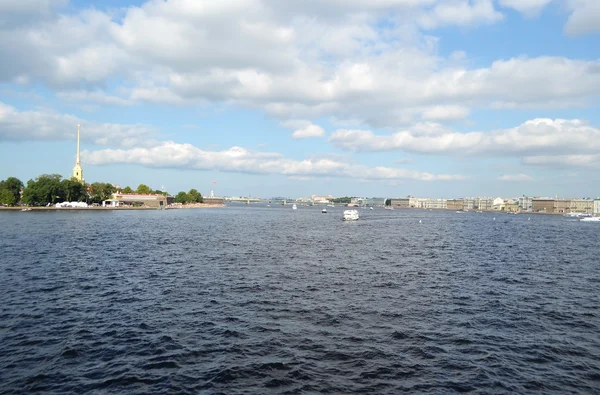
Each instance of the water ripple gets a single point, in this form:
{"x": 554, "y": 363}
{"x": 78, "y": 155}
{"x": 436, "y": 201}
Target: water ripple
{"x": 268, "y": 300}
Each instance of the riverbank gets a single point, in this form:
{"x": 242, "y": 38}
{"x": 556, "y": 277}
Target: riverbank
{"x": 100, "y": 208}
{"x": 94, "y": 208}
{"x": 195, "y": 205}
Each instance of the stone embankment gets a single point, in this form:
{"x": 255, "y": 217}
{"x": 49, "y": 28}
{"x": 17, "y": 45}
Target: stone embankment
{"x": 195, "y": 205}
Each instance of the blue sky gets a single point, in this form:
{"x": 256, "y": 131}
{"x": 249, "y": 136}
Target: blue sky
{"x": 440, "y": 98}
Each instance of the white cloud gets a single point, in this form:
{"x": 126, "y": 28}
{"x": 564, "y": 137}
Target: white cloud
{"x": 236, "y": 159}
{"x": 584, "y": 18}
{"x": 18, "y": 125}
{"x": 529, "y": 8}
{"x": 98, "y": 97}
{"x": 515, "y": 177}
{"x": 461, "y": 13}
{"x": 304, "y": 129}
{"x": 445, "y": 113}
{"x": 534, "y": 137}
{"x": 327, "y": 58}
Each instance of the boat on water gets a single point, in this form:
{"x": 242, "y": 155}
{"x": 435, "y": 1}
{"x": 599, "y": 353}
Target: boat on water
{"x": 577, "y": 215}
{"x": 324, "y": 211}
{"x": 370, "y": 208}
{"x": 294, "y": 207}
{"x": 590, "y": 219}
{"x": 350, "y": 215}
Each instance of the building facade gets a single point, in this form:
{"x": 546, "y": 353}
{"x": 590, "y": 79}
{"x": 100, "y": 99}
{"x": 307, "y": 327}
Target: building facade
{"x": 525, "y": 203}
{"x": 582, "y": 206}
{"x": 433, "y": 203}
{"x": 138, "y": 200}
{"x": 542, "y": 205}
{"x": 455, "y": 204}
{"x": 562, "y": 206}
{"x": 485, "y": 204}
{"x": 596, "y": 210}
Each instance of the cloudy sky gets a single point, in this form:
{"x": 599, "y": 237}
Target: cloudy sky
{"x": 293, "y": 97}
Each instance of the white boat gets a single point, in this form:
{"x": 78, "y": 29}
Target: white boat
{"x": 324, "y": 211}
{"x": 577, "y": 215}
{"x": 294, "y": 207}
{"x": 370, "y": 208}
{"x": 350, "y": 215}
{"x": 590, "y": 219}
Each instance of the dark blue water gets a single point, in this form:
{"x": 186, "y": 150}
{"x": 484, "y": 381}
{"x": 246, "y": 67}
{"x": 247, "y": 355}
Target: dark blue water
{"x": 264, "y": 300}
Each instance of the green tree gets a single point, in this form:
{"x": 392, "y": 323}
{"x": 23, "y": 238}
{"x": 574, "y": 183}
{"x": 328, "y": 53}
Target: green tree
{"x": 45, "y": 189}
{"x": 344, "y": 199}
{"x": 6, "y": 197}
{"x": 194, "y": 196}
{"x": 181, "y": 197}
{"x": 101, "y": 191}
{"x": 160, "y": 192}
{"x": 127, "y": 189}
{"x": 10, "y": 190}
{"x": 143, "y": 189}
{"x": 74, "y": 191}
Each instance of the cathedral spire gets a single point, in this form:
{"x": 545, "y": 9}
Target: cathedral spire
{"x": 78, "y": 130}
{"x": 77, "y": 170}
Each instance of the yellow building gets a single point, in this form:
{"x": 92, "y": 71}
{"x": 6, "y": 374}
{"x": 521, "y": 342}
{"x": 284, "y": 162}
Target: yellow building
{"x": 582, "y": 206}
{"x": 78, "y": 170}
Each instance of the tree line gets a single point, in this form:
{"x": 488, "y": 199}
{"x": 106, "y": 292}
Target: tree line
{"x": 52, "y": 188}
{"x": 345, "y": 199}
{"x": 193, "y": 196}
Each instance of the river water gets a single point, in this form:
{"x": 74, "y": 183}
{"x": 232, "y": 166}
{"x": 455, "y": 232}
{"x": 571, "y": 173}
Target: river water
{"x": 260, "y": 300}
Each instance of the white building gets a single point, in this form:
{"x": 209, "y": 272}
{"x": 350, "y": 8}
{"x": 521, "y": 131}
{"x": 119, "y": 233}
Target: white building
{"x": 597, "y": 207}
{"x": 525, "y": 203}
{"x": 321, "y": 199}
{"x": 433, "y": 203}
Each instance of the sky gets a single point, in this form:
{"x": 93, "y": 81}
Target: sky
{"x": 386, "y": 98}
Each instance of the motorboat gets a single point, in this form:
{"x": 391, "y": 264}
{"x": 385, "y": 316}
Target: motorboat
{"x": 294, "y": 207}
{"x": 577, "y": 215}
{"x": 324, "y": 211}
{"x": 350, "y": 215}
{"x": 370, "y": 208}
{"x": 590, "y": 219}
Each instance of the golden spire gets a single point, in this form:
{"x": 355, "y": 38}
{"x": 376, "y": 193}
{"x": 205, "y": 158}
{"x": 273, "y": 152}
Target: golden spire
{"x": 77, "y": 170}
{"x": 78, "y": 129}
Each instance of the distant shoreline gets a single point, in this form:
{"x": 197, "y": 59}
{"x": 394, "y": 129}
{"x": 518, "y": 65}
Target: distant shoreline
{"x": 99, "y": 208}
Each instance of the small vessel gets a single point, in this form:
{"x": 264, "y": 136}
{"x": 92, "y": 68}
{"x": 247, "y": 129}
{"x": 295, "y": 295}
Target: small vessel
{"x": 26, "y": 209}
{"x": 294, "y": 207}
{"x": 590, "y": 219}
{"x": 577, "y": 215}
{"x": 370, "y": 208}
{"x": 350, "y": 215}
{"x": 324, "y": 211}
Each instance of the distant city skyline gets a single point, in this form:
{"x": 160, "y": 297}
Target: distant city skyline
{"x": 431, "y": 98}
